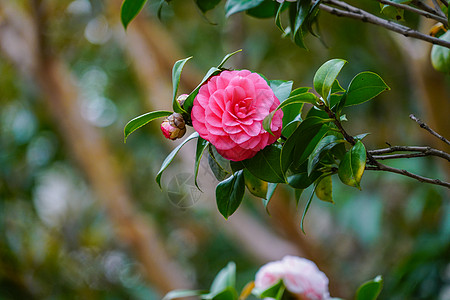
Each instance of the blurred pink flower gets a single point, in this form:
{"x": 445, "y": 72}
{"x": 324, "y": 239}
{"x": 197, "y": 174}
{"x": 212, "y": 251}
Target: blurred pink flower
{"x": 228, "y": 112}
{"x": 301, "y": 277}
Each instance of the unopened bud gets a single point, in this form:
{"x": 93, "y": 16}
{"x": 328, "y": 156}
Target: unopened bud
{"x": 182, "y": 98}
{"x": 173, "y": 127}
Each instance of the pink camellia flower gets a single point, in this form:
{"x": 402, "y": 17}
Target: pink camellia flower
{"x": 228, "y": 112}
{"x": 301, "y": 277}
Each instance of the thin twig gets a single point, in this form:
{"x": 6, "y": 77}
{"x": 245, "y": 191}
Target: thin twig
{"x": 421, "y": 12}
{"x": 427, "y": 128}
{"x": 358, "y": 14}
{"x": 438, "y": 9}
{"x": 424, "y": 6}
{"x": 380, "y": 167}
{"x": 424, "y": 151}
{"x": 444, "y": 2}
{"x": 399, "y": 155}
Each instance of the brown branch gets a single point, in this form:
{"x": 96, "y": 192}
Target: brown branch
{"x": 358, "y": 14}
{"x": 427, "y": 128}
{"x": 380, "y": 167}
{"x": 423, "y": 151}
{"x": 444, "y": 2}
{"x": 438, "y": 9}
{"x": 421, "y": 12}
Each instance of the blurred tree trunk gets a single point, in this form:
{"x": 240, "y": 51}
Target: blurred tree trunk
{"x": 21, "y": 41}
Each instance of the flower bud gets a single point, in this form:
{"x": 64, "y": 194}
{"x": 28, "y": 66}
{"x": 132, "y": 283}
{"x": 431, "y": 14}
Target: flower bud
{"x": 173, "y": 127}
{"x": 182, "y": 98}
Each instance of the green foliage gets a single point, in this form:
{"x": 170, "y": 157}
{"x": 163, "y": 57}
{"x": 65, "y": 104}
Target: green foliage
{"x": 205, "y": 5}
{"x": 129, "y": 10}
{"x": 324, "y": 189}
{"x": 363, "y": 87}
{"x": 266, "y": 164}
{"x": 370, "y": 290}
{"x": 235, "y": 6}
{"x": 201, "y": 147}
{"x": 176, "y": 74}
{"x": 440, "y": 56}
{"x": 168, "y": 160}
{"x": 142, "y": 120}
{"x": 326, "y": 75}
{"x": 255, "y": 185}
{"x": 229, "y": 193}
{"x": 352, "y": 165}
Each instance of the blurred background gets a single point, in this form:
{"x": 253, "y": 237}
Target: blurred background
{"x": 81, "y": 216}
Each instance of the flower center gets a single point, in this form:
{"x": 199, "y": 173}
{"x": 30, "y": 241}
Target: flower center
{"x": 241, "y": 109}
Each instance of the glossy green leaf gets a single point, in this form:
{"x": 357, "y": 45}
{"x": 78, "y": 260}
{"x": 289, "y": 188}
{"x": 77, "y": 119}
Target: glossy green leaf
{"x": 281, "y": 88}
{"x": 326, "y": 75}
{"x": 227, "y": 57}
{"x": 336, "y": 87}
{"x": 129, "y": 10}
{"x": 189, "y": 102}
{"x": 229, "y": 193}
{"x": 270, "y": 191}
{"x": 291, "y": 118}
{"x": 267, "y": 9}
{"x": 278, "y": 16}
{"x": 440, "y": 56}
{"x": 227, "y": 294}
{"x": 205, "y": 5}
{"x": 297, "y": 194}
{"x": 142, "y": 120}
{"x": 370, "y": 290}
{"x": 172, "y": 155}
{"x": 255, "y": 185}
{"x": 307, "y": 208}
{"x": 352, "y": 165}
{"x": 273, "y": 291}
{"x": 235, "y": 6}
{"x": 201, "y": 146}
{"x": 294, "y": 147}
{"x": 211, "y": 72}
{"x": 363, "y": 87}
{"x": 301, "y": 98}
{"x": 298, "y": 177}
{"x": 176, "y": 74}
{"x": 175, "y": 294}
{"x": 297, "y": 17}
{"x": 321, "y": 149}
{"x": 324, "y": 189}
{"x": 266, "y": 164}
{"x": 226, "y": 278}
{"x": 219, "y": 165}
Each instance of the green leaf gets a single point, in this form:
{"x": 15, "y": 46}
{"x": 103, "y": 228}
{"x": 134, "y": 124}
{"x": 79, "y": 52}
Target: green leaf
{"x": 307, "y": 208}
{"x": 142, "y": 120}
{"x": 270, "y": 191}
{"x": 281, "y": 88}
{"x": 189, "y": 102}
{"x": 172, "y": 155}
{"x": 272, "y": 291}
{"x": 295, "y": 149}
{"x": 392, "y": 12}
{"x": 352, "y": 165}
{"x": 363, "y": 87}
{"x": 301, "y": 98}
{"x": 370, "y": 290}
{"x": 235, "y": 6}
{"x": 225, "y": 279}
{"x": 278, "y": 16}
{"x": 175, "y": 294}
{"x": 336, "y": 87}
{"x": 219, "y": 165}
{"x": 176, "y": 74}
{"x": 229, "y": 193}
{"x": 224, "y": 60}
{"x": 227, "y": 294}
{"x": 201, "y": 146}
{"x": 298, "y": 177}
{"x": 298, "y": 193}
{"x": 129, "y": 10}
{"x": 440, "y": 56}
{"x": 255, "y": 185}
{"x": 324, "y": 189}
{"x": 211, "y": 72}
{"x": 267, "y": 9}
{"x": 205, "y": 5}
{"x": 265, "y": 165}
{"x": 296, "y": 18}
{"x": 321, "y": 150}
{"x": 326, "y": 75}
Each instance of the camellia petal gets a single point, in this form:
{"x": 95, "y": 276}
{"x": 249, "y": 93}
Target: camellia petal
{"x": 228, "y": 112}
